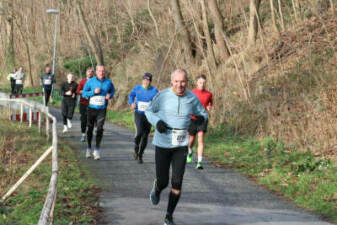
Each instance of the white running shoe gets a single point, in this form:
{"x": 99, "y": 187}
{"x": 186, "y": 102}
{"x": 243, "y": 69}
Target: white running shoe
{"x": 65, "y": 129}
{"x": 96, "y": 155}
{"x": 69, "y": 123}
{"x": 88, "y": 153}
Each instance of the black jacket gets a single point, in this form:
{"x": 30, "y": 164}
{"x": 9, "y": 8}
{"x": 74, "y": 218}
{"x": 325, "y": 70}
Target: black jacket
{"x": 65, "y": 87}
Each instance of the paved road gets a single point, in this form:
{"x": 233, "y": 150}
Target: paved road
{"x": 213, "y": 196}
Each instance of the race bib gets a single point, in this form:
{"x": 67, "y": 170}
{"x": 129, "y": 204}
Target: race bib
{"x": 47, "y": 82}
{"x": 142, "y": 106}
{"x": 180, "y": 137}
{"x": 97, "y": 100}
{"x": 18, "y": 81}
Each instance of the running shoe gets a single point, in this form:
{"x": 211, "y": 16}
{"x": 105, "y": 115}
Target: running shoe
{"x": 189, "y": 158}
{"x": 65, "y": 129}
{"x": 96, "y": 154}
{"x": 199, "y": 166}
{"x": 140, "y": 160}
{"x": 88, "y": 153}
{"x": 169, "y": 222}
{"x": 135, "y": 155}
{"x": 154, "y": 199}
{"x": 83, "y": 138}
{"x": 69, "y": 123}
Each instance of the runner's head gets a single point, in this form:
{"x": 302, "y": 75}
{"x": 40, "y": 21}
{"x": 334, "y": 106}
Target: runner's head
{"x": 147, "y": 79}
{"x": 70, "y": 77}
{"x": 201, "y": 82}
{"x": 90, "y": 73}
{"x": 47, "y": 69}
{"x": 20, "y": 69}
{"x": 100, "y": 72}
{"x": 179, "y": 81}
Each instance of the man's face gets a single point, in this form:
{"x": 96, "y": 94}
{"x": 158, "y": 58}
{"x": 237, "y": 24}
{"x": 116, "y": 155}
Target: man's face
{"x": 146, "y": 83}
{"x": 90, "y": 73}
{"x": 100, "y": 72}
{"x": 201, "y": 84}
{"x": 47, "y": 69}
{"x": 179, "y": 83}
{"x": 70, "y": 78}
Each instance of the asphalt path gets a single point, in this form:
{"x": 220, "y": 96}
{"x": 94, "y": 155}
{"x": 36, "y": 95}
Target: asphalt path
{"x": 213, "y": 196}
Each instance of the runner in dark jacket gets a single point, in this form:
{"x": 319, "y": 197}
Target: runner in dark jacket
{"x": 47, "y": 80}
{"x": 68, "y": 90}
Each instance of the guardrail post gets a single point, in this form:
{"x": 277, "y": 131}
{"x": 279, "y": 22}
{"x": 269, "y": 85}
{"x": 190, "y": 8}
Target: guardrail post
{"x": 21, "y": 113}
{"x": 47, "y": 123}
{"x": 9, "y": 110}
{"x": 30, "y": 116}
{"x": 39, "y": 121}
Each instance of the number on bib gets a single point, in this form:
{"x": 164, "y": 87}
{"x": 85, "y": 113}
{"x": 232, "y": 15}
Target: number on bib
{"x": 97, "y": 100}
{"x": 18, "y": 81}
{"x": 142, "y": 106}
{"x": 47, "y": 82}
{"x": 180, "y": 137}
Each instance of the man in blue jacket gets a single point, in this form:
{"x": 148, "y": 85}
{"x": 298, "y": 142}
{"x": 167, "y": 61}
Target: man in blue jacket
{"x": 170, "y": 113}
{"x": 99, "y": 90}
{"x": 139, "y": 99}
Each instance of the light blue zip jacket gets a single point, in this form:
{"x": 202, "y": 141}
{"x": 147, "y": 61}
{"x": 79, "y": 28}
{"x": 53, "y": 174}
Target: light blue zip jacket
{"x": 106, "y": 87}
{"x": 175, "y": 111}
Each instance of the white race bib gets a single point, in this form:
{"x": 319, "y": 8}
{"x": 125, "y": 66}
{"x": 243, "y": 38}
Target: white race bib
{"x": 47, "y": 82}
{"x": 97, "y": 100}
{"x": 18, "y": 81}
{"x": 180, "y": 137}
{"x": 142, "y": 106}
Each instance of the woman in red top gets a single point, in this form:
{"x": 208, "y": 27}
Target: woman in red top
{"x": 84, "y": 102}
{"x": 205, "y": 97}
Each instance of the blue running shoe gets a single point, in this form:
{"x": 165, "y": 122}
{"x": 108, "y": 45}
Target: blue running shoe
{"x": 169, "y": 221}
{"x": 154, "y": 199}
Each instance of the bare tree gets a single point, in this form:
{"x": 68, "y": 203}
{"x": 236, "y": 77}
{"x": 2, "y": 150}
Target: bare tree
{"x": 219, "y": 29}
{"x": 332, "y": 6}
{"x": 153, "y": 19}
{"x": 95, "y": 47}
{"x": 181, "y": 28}
{"x": 253, "y": 21}
{"x": 281, "y": 14}
{"x": 210, "y": 52}
{"x": 273, "y": 16}
{"x": 9, "y": 51}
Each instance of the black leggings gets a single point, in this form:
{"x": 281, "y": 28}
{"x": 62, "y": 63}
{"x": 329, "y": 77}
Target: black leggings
{"x": 18, "y": 89}
{"x": 164, "y": 158}
{"x": 95, "y": 116}
{"x": 47, "y": 93}
{"x": 68, "y": 107}
{"x": 143, "y": 128}
{"x": 84, "y": 117}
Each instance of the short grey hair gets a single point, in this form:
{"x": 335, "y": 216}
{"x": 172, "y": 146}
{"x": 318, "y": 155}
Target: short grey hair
{"x": 180, "y": 71}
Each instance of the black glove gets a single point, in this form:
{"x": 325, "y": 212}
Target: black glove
{"x": 161, "y": 126}
{"x": 200, "y": 119}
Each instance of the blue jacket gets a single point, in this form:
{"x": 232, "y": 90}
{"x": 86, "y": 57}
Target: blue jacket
{"x": 106, "y": 88}
{"x": 140, "y": 94}
{"x": 175, "y": 111}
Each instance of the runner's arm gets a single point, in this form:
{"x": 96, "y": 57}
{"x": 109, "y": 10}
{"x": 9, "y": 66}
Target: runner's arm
{"x": 151, "y": 111}
{"x": 199, "y": 110}
{"x": 79, "y": 88}
{"x": 87, "y": 90}
{"x": 132, "y": 96}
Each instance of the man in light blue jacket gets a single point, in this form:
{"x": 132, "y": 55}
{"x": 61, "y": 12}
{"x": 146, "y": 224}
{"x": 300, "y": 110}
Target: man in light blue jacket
{"x": 99, "y": 90}
{"x": 170, "y": 112}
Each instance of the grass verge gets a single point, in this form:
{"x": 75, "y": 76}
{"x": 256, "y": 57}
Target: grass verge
{"x": 308, "y": 181}
{"x": 76, "y": 196}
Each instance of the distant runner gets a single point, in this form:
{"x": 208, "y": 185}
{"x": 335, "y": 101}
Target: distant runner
{"x": 68, "y": 91}
{"x": 99, "y": 90}
{"x": 139, "y": 99}
{"x": 19, "y": 80}
{"x": 11, "y": 79}
{"x": 84, "y": 104}
{"x": 47, "y": 80}
{"x": 205, "y": 98}
{"x": 170, "y": 112}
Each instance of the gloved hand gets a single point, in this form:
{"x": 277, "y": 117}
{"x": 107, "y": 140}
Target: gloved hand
{"x": 161, "y": 126}
{"x": 200, "y": 119}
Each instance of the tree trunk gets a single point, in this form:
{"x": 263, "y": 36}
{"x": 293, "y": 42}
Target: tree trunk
{"x": 219, "y": 26}
{"x": 295, "y": 9}
{"x": 210, "y": 52}
{"x": 10, "y": 53}
{"x": 273, "y": 16}
{"x": 253, "y": 23}
{"x": 153, "y": 19}
{"x": 332, "y": 6}
{"x": 281, "y": 14}
{"x": 94, "y": 48}
{"x": 181, "y": 28}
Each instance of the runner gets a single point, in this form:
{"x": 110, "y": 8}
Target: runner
{"x": 205, "y": 98}
{"x": 99, "y": 90}
{"x": 47, "y": 80}
{"x": 19, "y": 80}
{"x": 68, "y": 91}
{"x": 11, "y": 78}
{"x": 84, "y": 103}
{"x": 139, "y": 98}
{"x": 170, "y": 112}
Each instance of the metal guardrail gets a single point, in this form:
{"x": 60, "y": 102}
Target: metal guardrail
{"x": 46, "y": 216}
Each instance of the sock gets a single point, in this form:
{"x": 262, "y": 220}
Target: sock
{"x": 83, "y": 134}
{"x": 172, "y": 203}
{"x": 96, "y": 149}
{"x": 190, "y": 150}
{"x": 199, "y": 158}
